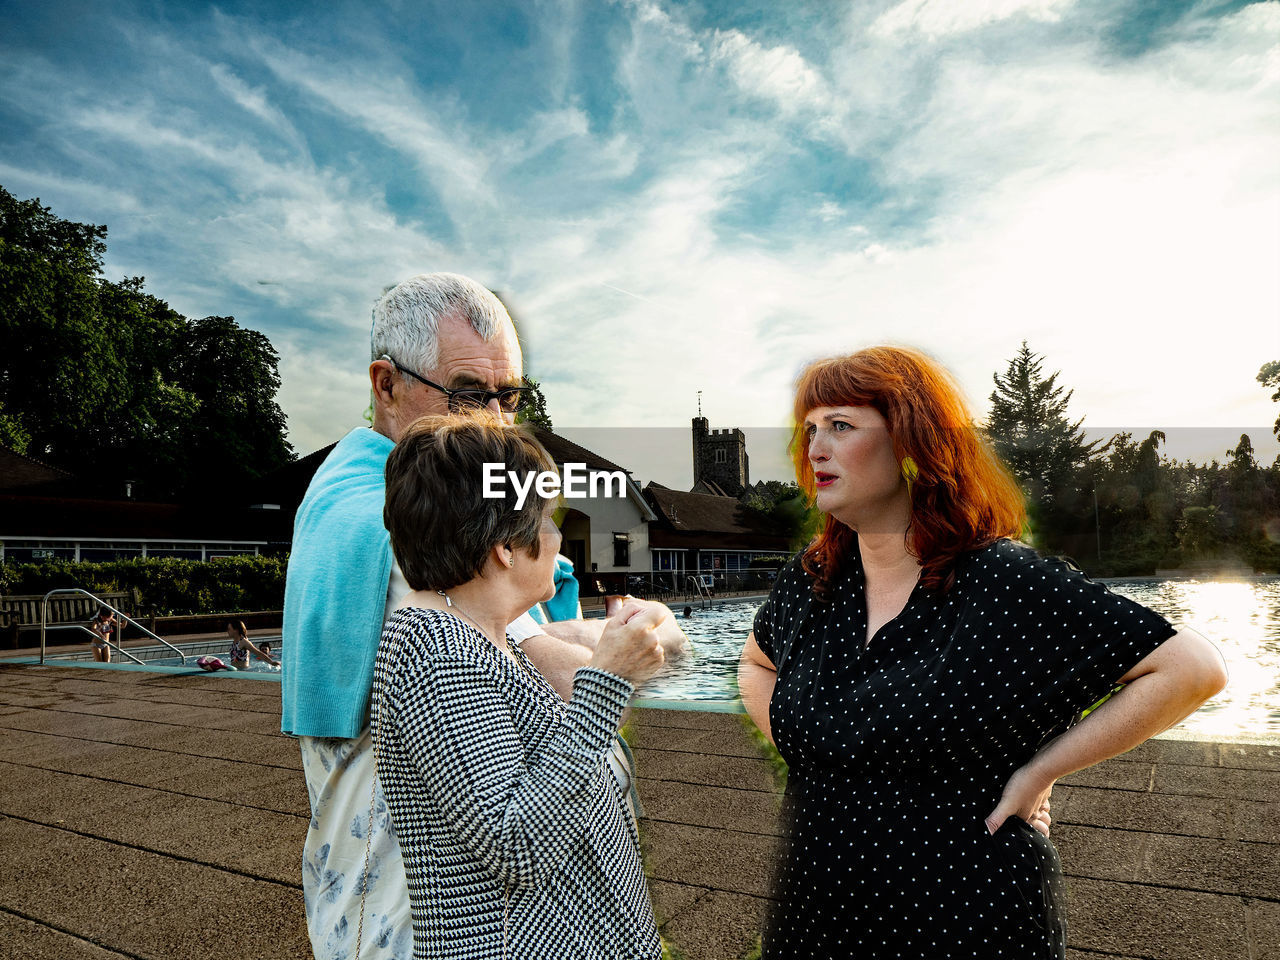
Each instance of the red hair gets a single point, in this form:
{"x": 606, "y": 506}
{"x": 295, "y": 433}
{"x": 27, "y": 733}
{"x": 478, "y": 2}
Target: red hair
{"x": 962, "y": 498}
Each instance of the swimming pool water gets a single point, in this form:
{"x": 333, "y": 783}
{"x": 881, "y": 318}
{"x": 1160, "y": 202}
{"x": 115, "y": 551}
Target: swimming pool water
{"x": 711, "y": 673}
{"x": 1241, "y": 617}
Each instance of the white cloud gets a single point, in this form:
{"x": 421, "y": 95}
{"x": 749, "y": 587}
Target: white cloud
{"x": 828, "y": 211}
{"x": 1121, "y": 215}
{"x": 241, "y": 227}
{"x": 388, "y": 107}
{"x": 935, "y": 18}
{"x": 1123, "y": 219}
{"x": 778, "y": 74}
{"x": 256, "y": 102}
{"x": 25, "y": 182}
{"x": 545, "y": 129}
{"x": 650, "y": 18}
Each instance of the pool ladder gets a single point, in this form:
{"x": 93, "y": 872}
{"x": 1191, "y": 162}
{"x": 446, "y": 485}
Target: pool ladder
{"x": 45, "y": 626}
{"x": 702, "y": 590}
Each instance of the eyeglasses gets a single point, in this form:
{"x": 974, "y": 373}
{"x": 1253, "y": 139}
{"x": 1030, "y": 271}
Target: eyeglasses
{"x": 510, "y": 399}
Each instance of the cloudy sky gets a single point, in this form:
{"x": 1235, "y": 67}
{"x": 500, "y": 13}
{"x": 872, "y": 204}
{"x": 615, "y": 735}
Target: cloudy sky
{"x": 682, "y": 197}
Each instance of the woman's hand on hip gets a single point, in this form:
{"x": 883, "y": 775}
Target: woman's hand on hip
{"x": 1026, "y": 795}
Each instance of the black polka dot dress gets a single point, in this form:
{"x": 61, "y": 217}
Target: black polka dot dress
{"x": 898, "y": 750}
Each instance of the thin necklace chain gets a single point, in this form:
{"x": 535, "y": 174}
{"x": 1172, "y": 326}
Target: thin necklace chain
{"x": 510, "y": 647}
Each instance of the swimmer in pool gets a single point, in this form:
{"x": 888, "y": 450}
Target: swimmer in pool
{"x": 102, "y": 625}
{"x": 242, "y": 646}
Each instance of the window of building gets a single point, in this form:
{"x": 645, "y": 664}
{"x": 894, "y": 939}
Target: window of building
{"x": 91, "y": 552}
{"x": 722, "y": 455}
{"x": 621, "y": 550}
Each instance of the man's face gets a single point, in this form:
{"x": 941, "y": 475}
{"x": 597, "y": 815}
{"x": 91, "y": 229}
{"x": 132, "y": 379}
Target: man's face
{"x": 465, "y": 360}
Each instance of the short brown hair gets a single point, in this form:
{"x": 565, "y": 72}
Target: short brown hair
{"x": 442, "y": 526}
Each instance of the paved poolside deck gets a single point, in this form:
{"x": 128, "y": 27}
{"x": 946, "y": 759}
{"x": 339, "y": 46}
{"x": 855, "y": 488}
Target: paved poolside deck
{"x": 149, "y": 815}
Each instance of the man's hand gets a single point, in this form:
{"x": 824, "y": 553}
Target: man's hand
{"x": 557, "y": 660}
{"x": 566, "y": 645}
{"x": 583, "y": 633}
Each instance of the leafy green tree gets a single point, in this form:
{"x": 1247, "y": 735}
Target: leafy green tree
{"x": 1269, "y": 376}
{"x": 57, "y": 363}
{"x": 1138, "y": 507}
{"x": 535, "y": 410}
{"x": 1247, "y": 501}
{"x": 96, "y": 373}
{"x": 764, "y": 497}
{"x": 1201, "y": 534}
{"x": 783, "y": 506}
{"x": 12, "y": 433}
{"x": 147, "y": 426}
{"x": 239, "y": 429}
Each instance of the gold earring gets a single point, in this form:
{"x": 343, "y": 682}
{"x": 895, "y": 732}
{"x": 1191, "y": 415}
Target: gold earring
{"x": 909, "y": 472}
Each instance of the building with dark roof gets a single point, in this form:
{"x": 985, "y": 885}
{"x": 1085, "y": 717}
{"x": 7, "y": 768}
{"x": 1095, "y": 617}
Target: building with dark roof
{"x": 18, "y": 472}
{"x": 607, "y": 538}
{"x": 611, "y": 539}
{"x": 699, "y": 533}
{"x": 48, "y": 513}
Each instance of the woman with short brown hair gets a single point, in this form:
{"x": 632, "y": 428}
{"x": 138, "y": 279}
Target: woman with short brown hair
{"x": 515, "y": 839}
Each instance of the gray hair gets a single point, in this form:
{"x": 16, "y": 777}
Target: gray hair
{"x": 406, "y": 319}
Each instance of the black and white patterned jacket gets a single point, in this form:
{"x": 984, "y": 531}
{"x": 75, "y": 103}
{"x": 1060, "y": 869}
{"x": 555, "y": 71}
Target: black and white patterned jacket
{"x": 512, "y": 828}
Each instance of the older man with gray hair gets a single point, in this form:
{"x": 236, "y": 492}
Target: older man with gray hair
{"x": 440, "y": 343}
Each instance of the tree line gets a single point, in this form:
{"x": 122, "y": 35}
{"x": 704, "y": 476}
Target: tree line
{"x": 1123, "y": 507}
{"x": 107, "y": 381}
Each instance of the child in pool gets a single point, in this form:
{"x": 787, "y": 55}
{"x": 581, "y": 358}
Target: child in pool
{"x": 242, "y": 646}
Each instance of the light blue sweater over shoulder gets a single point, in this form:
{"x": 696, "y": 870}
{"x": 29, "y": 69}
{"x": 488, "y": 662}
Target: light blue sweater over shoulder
{"x": 336, "y": 591}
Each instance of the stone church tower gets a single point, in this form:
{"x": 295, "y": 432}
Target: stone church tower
{"x": 719, "y": 460}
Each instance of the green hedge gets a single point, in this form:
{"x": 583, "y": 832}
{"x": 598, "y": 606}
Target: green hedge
{"x": 163, "y": 585}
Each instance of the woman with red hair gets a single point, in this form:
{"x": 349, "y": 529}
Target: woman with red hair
{"x": 920, "y": 672}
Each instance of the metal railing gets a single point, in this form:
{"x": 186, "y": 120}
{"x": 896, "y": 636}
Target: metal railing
{"x": 95, "y": 636}
{"x": 701, "y": 589}
{"x": 671, "y": 586}
{"x": 44, "y": 624}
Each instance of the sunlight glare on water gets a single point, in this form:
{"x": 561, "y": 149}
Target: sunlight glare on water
{"x": 1241, "y": 617}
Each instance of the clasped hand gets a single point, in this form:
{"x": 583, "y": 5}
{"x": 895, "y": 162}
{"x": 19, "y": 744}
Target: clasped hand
{"x": 629, "y": 645}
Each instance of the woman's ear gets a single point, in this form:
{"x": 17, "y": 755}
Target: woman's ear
{"x": 503, "y": 555}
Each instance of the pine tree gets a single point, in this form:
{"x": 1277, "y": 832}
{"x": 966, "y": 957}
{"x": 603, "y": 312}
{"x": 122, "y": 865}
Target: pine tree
{"x": 1031, "y": 431}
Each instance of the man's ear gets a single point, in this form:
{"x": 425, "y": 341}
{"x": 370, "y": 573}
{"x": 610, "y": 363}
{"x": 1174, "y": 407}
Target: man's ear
{"x": 382, "y": 374}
